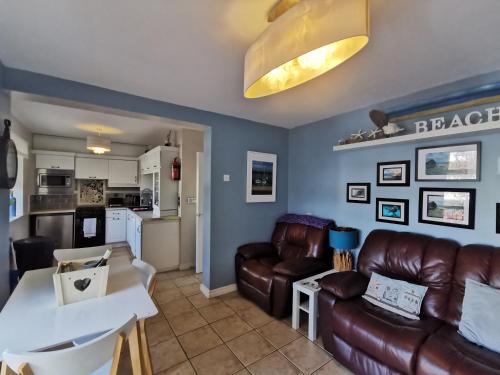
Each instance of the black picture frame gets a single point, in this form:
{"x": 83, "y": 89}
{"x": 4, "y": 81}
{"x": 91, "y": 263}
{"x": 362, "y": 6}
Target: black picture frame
{"x": 351, "y": 199}
{"x": 404, "y": 205}
{"x": 405, "y": 173}
{"x": 418, "y": 151}
{"x": 471, "y": 209}
{"x": 498, "y": 217}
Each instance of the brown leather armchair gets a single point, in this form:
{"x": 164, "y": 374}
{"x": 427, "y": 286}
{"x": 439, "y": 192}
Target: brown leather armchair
{"x": 265, "y": 272}
{"x": 370, "y": 340}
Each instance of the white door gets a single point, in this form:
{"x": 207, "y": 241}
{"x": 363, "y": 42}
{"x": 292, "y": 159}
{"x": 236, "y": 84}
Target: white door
{"x": 199, "y": 212}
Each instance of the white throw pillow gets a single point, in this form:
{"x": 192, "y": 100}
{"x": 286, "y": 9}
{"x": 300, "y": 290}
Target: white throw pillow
{"x": 397, "y": 296}
{"x": 479, "y": 323}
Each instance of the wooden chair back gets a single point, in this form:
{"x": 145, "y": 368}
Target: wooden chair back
{"x": 78, "y": 360}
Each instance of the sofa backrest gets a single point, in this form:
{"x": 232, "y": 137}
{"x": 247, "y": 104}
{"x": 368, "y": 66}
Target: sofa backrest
{"x": 477, "y": 262}
{"x": 295, "y": 241}
{"x": 415, "y": 258}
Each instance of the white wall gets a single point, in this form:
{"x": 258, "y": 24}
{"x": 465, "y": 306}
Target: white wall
{"x": 55, "y": 143}
{"x": 191, "y": 143}
{"x": 25, "y": 184}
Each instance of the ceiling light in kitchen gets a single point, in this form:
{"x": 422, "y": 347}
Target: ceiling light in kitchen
{"x": 98, "y": 144}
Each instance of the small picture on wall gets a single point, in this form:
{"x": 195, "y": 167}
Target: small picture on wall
{"x": 393, "y": 211}
{"x": 261, "y": 177}
{"x": 394, "y": 173}
{"x": 498, "y": 217}
{"x": 358, "y": 192}
{"x": 459, "y": 162}
{"x": 446, "y": 206}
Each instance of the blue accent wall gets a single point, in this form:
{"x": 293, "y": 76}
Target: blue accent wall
{"x": 231, "y": 222}
{"x": 318, "y": 176}
{"x": 4, "y": 207}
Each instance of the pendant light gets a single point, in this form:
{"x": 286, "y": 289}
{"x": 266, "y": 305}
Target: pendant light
{"x": 98, "y": 145}
{"x": 306, "y": 39}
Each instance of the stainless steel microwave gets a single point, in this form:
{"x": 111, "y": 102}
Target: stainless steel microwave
{"x": 55, "y": 181}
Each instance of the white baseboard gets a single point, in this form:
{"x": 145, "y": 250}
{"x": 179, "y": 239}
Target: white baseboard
{"x": 186, "y": 266}
{"x": 211, "y": 293}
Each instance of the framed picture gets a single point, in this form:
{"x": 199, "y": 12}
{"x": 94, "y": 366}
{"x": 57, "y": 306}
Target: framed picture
{"x": 393, "y": 211}
{"x": 498, "y": 217}
{"x": 261, "y": 177}
{"x": 460, "y": 162}
{"x": 393, "y": 173}
{"x": 446, "y": 206}
{"x": 358, "y": 192}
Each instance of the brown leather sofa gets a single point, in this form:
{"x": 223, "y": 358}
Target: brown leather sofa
{"x": 370, "y": 340}
{"x": 265, "y": 272}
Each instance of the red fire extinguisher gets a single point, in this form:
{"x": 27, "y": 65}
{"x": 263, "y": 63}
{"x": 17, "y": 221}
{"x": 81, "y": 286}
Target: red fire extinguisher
{"x": 176, "y": 170}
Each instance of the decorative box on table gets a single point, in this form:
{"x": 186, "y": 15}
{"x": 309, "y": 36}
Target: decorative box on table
{"x": 80, "y": 284}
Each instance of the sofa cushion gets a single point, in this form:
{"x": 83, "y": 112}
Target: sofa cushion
{"x": 269, "y": 261}
{"x": 344, "y": 285}
{"x": 397, "y": 296}
{"x": 479, "y": 322}
{"x": 259, "y": 275}
{"x": 415, "y": 258}
{"x": 476, "y": 262}
{"x": 387, "y": 337}
{"x": 446, "y": 352}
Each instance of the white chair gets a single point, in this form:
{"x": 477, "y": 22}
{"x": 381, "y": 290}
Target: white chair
{"x": 148, "y": 273}
{"x": 96, "y": 357}
{"x": 62, "y": 255}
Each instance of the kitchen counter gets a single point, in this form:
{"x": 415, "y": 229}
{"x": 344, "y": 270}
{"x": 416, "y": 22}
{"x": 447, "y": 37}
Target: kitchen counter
{"x": 148, "y": 216}
{"x": 53, "y": 211}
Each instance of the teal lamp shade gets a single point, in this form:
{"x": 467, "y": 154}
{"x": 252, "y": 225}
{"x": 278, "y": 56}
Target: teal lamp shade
{"x": 344, "y": 238}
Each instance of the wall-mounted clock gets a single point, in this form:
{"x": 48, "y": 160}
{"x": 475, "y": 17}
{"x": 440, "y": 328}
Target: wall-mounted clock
{"x": 8, "y": 159}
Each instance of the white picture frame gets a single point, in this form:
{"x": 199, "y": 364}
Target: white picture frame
{"x": 261, "y": 171}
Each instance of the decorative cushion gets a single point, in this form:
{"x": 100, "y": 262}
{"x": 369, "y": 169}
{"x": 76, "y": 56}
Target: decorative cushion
{"x": 397, "y": 296}
{"x": 479, "y": 322}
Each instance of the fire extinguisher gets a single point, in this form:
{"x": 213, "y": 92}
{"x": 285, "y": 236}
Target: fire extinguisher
{"x": 176, "y": 170}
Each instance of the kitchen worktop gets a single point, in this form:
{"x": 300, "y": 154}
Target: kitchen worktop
{"x": 148, "y": 216}
{"x": 53, "y": 211}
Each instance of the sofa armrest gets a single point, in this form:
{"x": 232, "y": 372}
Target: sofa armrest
{"x": 257, "y": 250}
{"x": 345, "y": 285}
{"x": 300, "y": 267}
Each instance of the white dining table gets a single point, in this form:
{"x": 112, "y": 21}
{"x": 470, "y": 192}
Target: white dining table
{"x": 31, "y": 319}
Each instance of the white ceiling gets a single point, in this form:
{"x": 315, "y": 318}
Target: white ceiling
{"x": 191, "y": 52}
{"x": 65, "y": 121}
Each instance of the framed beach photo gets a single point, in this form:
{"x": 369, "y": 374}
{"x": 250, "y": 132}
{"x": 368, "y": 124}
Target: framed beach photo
{"x": 393, "y": 173}
{"x": 446, "y": 206}
{"x": 358, "y": 192}
{"x": 460, "y": 162}
{"x": 261, "y": 177}
{"x": 393, "y": 211}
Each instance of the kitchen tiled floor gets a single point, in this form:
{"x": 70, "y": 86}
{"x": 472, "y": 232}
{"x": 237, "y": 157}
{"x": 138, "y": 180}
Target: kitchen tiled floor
{"x": 225, "y": 335}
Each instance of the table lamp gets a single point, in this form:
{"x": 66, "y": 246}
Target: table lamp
{"x": 343, "y": 240}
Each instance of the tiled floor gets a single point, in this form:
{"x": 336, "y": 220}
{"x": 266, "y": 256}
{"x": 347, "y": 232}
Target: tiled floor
{"x": 225, "y": 335}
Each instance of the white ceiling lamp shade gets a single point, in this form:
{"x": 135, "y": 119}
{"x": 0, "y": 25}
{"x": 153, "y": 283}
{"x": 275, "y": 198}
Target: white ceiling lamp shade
{"x": 98, "y": 145}
{"x": 306, "y": 41}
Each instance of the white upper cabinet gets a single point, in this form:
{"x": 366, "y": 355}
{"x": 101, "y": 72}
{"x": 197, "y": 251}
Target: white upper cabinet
{"x": 91, "y": 168}
{"x": 53, "y": 161}
{"x": 122, "y": 173}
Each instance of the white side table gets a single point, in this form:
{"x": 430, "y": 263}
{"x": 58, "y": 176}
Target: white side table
{"x": 309, "y": 287}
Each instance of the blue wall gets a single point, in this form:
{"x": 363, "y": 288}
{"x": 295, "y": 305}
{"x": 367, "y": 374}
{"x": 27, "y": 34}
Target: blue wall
{"x": 233, "y": 222}
{"x": 4, "y": 208}
{"x": 318, "y": 176}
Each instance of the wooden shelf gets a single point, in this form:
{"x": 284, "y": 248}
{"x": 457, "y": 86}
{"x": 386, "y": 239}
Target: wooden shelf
{"x": 417, "y": 137}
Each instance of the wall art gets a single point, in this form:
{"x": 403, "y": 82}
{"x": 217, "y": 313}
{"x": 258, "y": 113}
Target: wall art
{"x": 261, "y": 177}
{"x": 393, "y": 211}
{"x": 393, "y": 173}
{"x": 358, "y": 192}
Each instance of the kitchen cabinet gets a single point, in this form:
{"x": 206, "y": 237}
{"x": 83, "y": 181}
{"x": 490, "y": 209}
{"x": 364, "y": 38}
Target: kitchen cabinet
{"x": 122, "y": 173}
{"x": 116, "y": 225}
{"x": 131, "y": 229}
{"x": 151, "y": 161}
{"x": 161, "y": 244}
{"x": 54, "y": 161}
{"x": 138, "y": 238}
{"x": 91, "y": 168}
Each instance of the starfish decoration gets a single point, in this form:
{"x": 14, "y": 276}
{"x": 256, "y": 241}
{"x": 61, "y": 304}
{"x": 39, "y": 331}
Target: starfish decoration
{"x": 373, "y": 133}
{"x": 358, "y": 135}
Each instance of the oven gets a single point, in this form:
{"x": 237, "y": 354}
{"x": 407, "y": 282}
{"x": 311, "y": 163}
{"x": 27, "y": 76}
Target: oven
{"x": 55, "y": 181}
